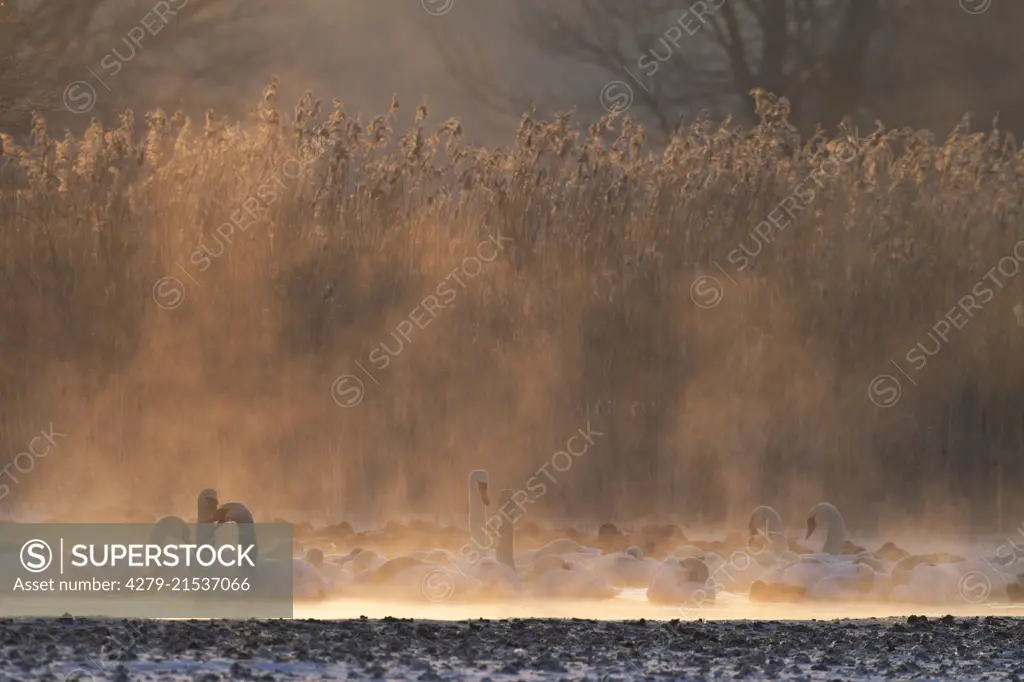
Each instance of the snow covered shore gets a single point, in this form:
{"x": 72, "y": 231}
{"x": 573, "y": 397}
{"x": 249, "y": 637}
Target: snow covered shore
{"x": 392, "y": 649}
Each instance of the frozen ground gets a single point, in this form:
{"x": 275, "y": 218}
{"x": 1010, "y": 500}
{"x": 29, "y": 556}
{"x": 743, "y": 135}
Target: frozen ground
{"x": 989, "y": 647}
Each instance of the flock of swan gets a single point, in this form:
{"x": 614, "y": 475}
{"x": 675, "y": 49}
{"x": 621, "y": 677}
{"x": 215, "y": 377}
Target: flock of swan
{"x": 766, "y": 567}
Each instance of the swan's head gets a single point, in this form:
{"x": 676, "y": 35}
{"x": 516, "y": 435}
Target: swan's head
{"x": 208, "y": 503}
{"x": 480, "y": 478}
{"x": 823, "y": 512}
{"x": 315, "y": 558}
{"x": 635, "y": 552}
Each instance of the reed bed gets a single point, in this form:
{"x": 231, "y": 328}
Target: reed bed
{"x": 586, "y": 314}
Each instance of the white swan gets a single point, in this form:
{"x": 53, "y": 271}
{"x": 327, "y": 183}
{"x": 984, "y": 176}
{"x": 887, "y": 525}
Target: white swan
{"x": 169, "y": 530}
{"x": 548, "y": 576}
{"x": 334, "y": 575}
{"x": 824, "y": 575}
{"x": 689, "y": 551}
{"x": 625, "y": 569}
{"x": 847, "y": 582}
{"x": 307, "y": 582}
{"x": 765, "y": 550}
{"x": 682, "y": 582}
{"x": 930, "y": 580}
{"x": 412, "y": 579}
{"x": 498, "y": 576}
{"x": 562, "y": 547}
{"x": 361, "y": 560}
{"x": 766, "y": 523}
{"x": 553, "y": 577}
{"x": 826, "y": 514}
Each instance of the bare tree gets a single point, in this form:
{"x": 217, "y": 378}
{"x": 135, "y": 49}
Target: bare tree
{"x": 678, "y": 56}
{"x": 46, "y": 46}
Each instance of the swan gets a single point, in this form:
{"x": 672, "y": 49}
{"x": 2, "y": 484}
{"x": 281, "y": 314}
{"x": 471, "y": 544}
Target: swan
{"x": 681, "y": 582}
{"x": 766, "y": 548}
{"x": 334, "y": 575}
{"x": 553, "y": 577}
{"x": 170, "y": 528}
{"x": 795, "y": 577}
{"x": 766, "y": 523}
{"x": 625, "y": 569}
{"x": 361, "y": 560}
{"x": 826, "y": 514}
{"x": 307, "y": 582}
{"x": 563, "y": 547}
{"x": 497, "y": 580}
{"x": 478, "y": 503}
{"x": 685, "y": 551}
{"x": 928, "y": 579}
{"x": 497, "y": 576}
{"x": 549, "y": 575}
{"x": 916, "y": 581}
{"x": 793, "y": 580}
{"x": 167, "y": 530}
{"x": 848, "y": 582}
{"x": 410, "y": 578}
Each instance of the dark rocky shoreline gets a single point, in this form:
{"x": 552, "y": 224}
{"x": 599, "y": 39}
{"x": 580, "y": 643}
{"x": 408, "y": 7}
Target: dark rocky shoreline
{"x": 393, "y": 649}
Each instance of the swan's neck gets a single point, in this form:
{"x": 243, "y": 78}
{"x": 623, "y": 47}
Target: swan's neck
{"x": 247, "y": 537}
{"x": 778, "y": 542}
{"x": 776, "y": 533}
{"x": 507, "y": 543}
{"x": 836, "y": 537}
{"x": 204, "y": 534}
{"x": 478, "y": 534}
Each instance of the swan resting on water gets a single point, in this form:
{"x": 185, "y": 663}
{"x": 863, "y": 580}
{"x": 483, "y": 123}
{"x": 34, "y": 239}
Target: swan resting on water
{"x": 567, "y": 569}
{"x": 682, "y": 582}
{"x": 625, "y": 569}
{"x": 307, "y": 581}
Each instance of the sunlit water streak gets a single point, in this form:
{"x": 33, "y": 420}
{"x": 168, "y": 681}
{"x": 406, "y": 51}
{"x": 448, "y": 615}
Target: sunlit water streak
{"x": 632, "y": 604}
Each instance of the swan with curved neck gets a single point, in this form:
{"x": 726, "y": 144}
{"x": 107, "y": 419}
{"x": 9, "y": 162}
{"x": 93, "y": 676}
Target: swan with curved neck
{"x": 826, "y": 514}
{"x": 308, "y": 582}
{"x": 169, "y": 530}
{"x": 766, "y": 522}
{"x": 240, "y": 515}
{"x": 478, "y": 503}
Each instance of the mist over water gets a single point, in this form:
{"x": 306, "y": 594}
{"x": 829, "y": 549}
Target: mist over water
{"x": 383, "y": 316}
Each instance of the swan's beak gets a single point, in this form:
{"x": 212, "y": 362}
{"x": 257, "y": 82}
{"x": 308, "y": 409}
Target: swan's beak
{"x": 811, "y": 525}
{"x": 482, "y": 486}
